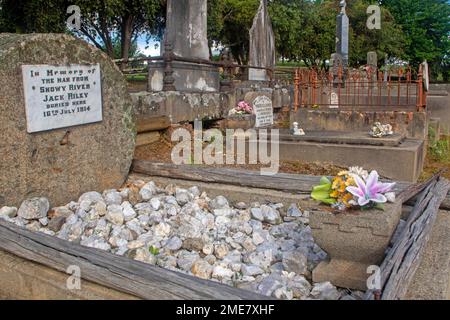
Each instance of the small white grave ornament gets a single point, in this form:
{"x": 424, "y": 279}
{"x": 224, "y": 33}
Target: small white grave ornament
{"x": 297, "y": 131}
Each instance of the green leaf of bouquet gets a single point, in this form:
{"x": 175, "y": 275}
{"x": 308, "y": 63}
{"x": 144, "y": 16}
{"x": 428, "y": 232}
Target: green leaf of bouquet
{"x": 325, "y": 180}
{"x": 329, "y": 201}
{"x": 322, "y": 188}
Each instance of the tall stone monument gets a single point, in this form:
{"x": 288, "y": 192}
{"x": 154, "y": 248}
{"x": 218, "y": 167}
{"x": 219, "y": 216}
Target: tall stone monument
{"x": 66, "y": 119}
{"x": 262, "y": 44}
{"x": 186, "y": 32}
{"x": 342, "y": 34}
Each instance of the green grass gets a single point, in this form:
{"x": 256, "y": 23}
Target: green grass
{"x": 136, "y": 77}
{"x": 440, "y": 149}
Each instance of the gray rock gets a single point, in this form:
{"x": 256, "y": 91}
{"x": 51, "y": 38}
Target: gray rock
{"x": 283, "y": 293}
{"x": 43, "y": 221}
{"x": 270, "y": 283}
{"x": 162, "y": 230}
{"x": 220, "y": 202}
{"x": 112, "y": 197}
{"x": 195, "y": 191}
{"x": 9, "y": 212}
{"x": 325, "y": 291}
{"x": 34, "y": 209}
{"x": 56, "y": 223}
{"x": 301, "y": 288}
{"x": 262, "y": 259}
{"x": 222, "y": 272}
{"x": 95, "y": 242}
{"x": 251, "y": 270}
{"x": 296, "y": 261}
{"x": 293, "y": 211}
{"x": 270, "y": 215}
{"x": 115, "y": 214}
{"x": 193, "y": 244}
{"x": 128, "y": 211}
{"x": 182, "y": 196}
{"x": 241, "y": 206}
{"x": 257, "y": 214}
{"x": 221, "y": 250}
{"x": 202, "y": 269}
{"x": 147, "y": 191}
{"x": 174, "y": 244}
{"x": 143, "y": 255}
{"x": 186, "y": 260}
{"x": 155, "y": 203}
{"x": 91, "y": 197}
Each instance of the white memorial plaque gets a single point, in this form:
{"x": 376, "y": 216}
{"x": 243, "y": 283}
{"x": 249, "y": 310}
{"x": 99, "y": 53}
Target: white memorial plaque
{"x": 263, "y": 111}
{"x": 334, "y": 100}
{"x": 61, "y": 96}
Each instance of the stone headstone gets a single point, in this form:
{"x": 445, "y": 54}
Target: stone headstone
{"x": 334, "y": 100}
{"x": 186, "y": 28}
{"x": 426, "y": 75}
{"x": 262, "y": 105}
{"x": 186, "y": 32}
{"x": 372, "y": 59}
{"x": 342, "y": 33}
{"x": 66, "y": 119}
{"x": 372, "y": 62}
{"x": 262, "y": 44}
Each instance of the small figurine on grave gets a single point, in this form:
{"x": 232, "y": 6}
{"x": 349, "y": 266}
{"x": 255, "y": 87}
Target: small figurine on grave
{"x": 381, "y": 130}
{"x": 297, "y": 131}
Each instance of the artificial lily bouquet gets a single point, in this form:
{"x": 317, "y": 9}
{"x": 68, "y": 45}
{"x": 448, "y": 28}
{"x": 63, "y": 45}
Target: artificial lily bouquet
{"x": 241, "y": 109}
{"x": 354, "y": 188}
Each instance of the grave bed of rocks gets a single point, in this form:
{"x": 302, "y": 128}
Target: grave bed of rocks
{"x": 266, "y": 248}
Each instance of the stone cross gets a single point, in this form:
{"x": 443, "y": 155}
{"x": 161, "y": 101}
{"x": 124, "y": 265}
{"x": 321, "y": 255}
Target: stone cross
{"x": 186, "y": 28}
{"x": 262, "y": 44}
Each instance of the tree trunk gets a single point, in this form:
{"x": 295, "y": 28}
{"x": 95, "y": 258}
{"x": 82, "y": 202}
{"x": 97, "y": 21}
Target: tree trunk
{"x": 126, "y": 35}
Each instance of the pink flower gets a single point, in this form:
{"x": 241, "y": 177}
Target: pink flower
{"x": 370, "y": 191}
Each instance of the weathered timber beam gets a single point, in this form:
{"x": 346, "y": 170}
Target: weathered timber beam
{"x": 147, "y": 124}
{"x": 294, "y": 183}
{"x": 119, "y": 273}
{"x": 402, "y": 261}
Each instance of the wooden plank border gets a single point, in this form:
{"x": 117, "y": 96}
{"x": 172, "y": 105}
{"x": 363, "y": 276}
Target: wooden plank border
{"x": 119, "y": 273}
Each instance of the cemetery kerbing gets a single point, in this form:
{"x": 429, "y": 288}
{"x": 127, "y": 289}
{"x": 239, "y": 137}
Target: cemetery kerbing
{"x": 225, "y": 150}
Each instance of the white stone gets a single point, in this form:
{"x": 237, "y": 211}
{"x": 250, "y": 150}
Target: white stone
{"x": 162, "y": 230}
{"x": 115, "y": 214}
{"x": 222, "y": 272}
{"x": 251, "y": 270}
{"x": 258, "y": 238}
{"x": 10, "y": 212}
{"x": 112, "y": 197}
{"x": 155, "y": 203}
{"x": 128, "y": 211}
{"x": 34, "y": 209}
{"x": 325, "y": 291}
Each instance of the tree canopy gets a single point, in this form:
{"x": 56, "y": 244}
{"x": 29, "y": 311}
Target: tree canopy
{"x": 411, "y": 30}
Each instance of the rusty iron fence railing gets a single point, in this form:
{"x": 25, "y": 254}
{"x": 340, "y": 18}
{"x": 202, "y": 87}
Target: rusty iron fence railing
{"x": 401, "y": 89}
{"x": 359, "y": 89}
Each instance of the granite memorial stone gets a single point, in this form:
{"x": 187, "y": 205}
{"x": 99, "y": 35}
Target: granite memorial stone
{"x": 342, "y": 34}
{"x": 186, "y": 32}
{"x": 262, "y": 44}
{"x": 66, "y": 119}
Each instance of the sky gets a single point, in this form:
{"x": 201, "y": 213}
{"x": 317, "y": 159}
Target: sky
{"x": 148, "y": 49}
